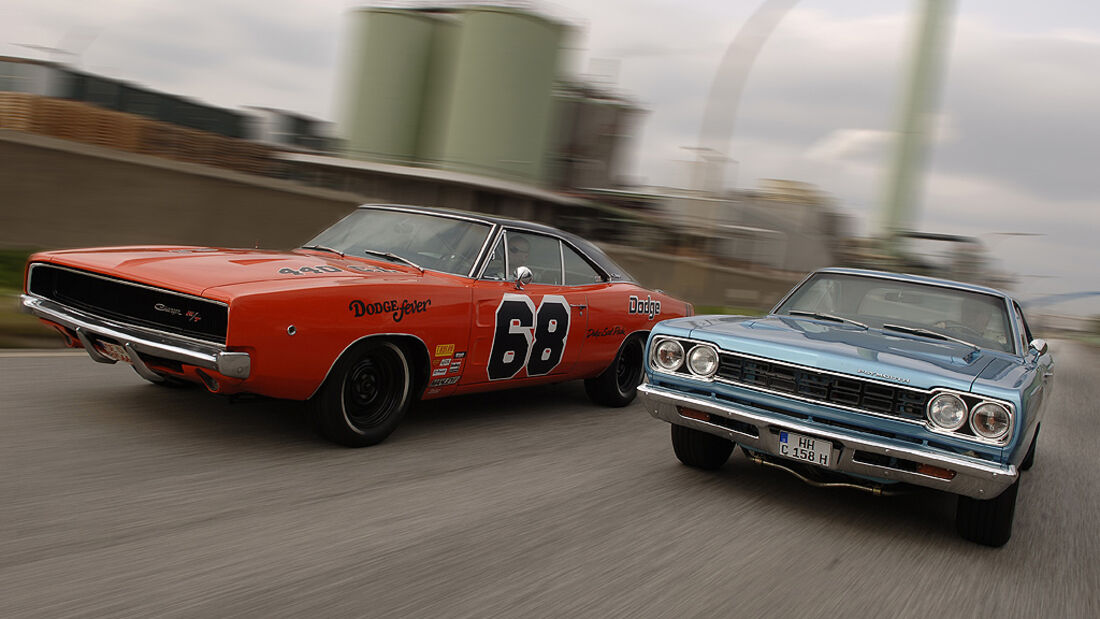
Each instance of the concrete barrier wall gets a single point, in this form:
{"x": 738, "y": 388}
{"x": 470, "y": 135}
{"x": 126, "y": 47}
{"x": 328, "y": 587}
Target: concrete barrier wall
{"x": 59, "y": 194}
{"x": 55, "y": 194}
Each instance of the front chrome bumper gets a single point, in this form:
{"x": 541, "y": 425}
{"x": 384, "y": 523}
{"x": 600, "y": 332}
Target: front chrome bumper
{"x": 973, "y": 477}
{"x": 137, "y": 340}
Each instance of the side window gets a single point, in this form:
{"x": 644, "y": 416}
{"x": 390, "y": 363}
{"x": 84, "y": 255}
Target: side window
{"x": 495, "y": 268}
{"x": 541, "y": 254}
{"x": 577, "y": 270}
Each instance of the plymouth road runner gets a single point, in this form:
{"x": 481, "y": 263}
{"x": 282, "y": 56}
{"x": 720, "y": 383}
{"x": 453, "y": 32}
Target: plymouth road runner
{"x": 388, "y": 305}
{"x": 864, "y": 379}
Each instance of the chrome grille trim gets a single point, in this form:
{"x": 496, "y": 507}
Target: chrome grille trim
{"x": 851, "y": 394}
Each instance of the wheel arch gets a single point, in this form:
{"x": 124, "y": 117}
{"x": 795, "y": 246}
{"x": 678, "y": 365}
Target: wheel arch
{"x": 416, "y": 352}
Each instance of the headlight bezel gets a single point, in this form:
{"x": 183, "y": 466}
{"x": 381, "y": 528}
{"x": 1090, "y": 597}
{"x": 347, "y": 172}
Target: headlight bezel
{"x": 684, "y": 368}
{"x": 702, "y": 349}
{"x": 974, "y": 424}
{"x": 655, "y": 355}
{"x": 967, "y": 431}
{"x": 946, "y": 396}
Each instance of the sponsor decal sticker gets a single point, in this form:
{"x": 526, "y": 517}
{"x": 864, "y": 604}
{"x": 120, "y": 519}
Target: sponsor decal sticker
{"x": 397, "y": 309}
{"x": 443, "y": 382}
{"x": 646, "y": 306}
{"x": 445, "y": 350}
{"x": 456, "y": 366}
{"x": 606, "y": 332}
{"x": 439, "y": 371}
{"x": 460, "y": 355}
{"x": 444, "y": 362}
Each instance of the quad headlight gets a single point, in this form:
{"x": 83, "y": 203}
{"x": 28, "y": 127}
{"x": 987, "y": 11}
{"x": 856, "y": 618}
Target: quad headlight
{"x": 947, "y": 411}
{"x": 684, "y": 357}
{"x": 970, "y": 416}
{"x": 703, "y": 361}
{"x": 990, "y": 420}
{"x": 668, "y": 355}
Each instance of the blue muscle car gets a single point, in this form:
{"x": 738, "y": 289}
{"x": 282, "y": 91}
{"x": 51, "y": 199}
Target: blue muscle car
{"x": 864, "y": 379}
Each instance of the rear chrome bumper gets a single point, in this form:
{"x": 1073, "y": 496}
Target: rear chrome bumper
{"x": 975, "y": 478}
{"x": 138, "y": 341}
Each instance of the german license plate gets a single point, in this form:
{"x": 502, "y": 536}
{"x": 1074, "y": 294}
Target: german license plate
{"x": 805, "y": 448}
{"x": 115, "y": 352}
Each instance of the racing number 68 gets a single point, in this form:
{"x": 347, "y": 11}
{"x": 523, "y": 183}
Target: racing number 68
{"x": 516, "y": 344}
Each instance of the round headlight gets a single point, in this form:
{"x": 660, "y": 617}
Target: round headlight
{"x": 947, "y": 411}
{"x": 989, "y": 420}
{"x": 669, "y": 355}
{"x": 702, "y": 360}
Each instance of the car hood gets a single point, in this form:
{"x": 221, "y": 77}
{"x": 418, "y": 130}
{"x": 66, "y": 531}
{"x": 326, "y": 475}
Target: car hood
{"x": 884, "y": 356}
{"x": 193, "y": 270}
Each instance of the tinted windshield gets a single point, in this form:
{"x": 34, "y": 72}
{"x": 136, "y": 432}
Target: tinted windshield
{"x": 431, "y": 241}
{"x": 974, "y": 317}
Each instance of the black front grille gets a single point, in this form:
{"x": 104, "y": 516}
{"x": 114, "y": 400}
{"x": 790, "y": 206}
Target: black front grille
{"x": 131, "y": 303}
{"x": 822, "y": 387}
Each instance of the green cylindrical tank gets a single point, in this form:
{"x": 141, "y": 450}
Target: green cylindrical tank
{"x": 387, "y": 72}
{"x": 438, "y": 88}
{"x": 500, "y": 107}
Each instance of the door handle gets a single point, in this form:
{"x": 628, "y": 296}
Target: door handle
{"x": 580, "y": 306}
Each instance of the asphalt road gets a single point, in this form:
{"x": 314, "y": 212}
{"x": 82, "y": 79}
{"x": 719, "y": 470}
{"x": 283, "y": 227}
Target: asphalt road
{"x": 121, "y": 498}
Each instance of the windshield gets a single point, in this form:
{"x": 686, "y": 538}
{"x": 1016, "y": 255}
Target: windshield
{"x": 973, "y": 317}
{"x": 432, "y": 241}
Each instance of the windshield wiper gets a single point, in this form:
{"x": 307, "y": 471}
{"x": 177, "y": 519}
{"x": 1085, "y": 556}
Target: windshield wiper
{"x": 323, "y": 248}
{"x": 393, "y": 256}
{"x": 821, "y": 316}
{"x": 929, "y": 333}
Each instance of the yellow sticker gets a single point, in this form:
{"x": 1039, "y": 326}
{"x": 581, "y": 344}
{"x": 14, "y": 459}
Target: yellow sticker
{"x": 444, "y": 350}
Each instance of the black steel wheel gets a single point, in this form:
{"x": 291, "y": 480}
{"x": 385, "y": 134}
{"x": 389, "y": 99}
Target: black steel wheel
{"x": 366, "y": 395}
{"x": 618, "y": 384}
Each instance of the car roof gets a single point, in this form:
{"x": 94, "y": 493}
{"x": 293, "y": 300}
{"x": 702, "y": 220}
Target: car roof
{"x": 590, "y": 250}
{"x": 922, "y": 279}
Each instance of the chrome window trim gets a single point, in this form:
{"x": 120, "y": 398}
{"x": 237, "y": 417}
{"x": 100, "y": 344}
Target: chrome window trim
{"x": 561, "y": 259}
{"x": 504, "y": 230}
{"x": 483, "y": 255}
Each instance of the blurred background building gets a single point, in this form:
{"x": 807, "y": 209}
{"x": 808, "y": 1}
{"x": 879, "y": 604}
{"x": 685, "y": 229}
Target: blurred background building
{"x": 471, "y": 106}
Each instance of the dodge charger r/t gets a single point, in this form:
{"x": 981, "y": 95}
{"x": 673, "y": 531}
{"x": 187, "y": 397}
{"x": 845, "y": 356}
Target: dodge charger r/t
{"x": 389, "y": 305}
{"x": 864, "y": 379}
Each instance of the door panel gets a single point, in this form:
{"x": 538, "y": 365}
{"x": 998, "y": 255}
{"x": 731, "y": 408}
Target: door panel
{"x": 524, "y": 336}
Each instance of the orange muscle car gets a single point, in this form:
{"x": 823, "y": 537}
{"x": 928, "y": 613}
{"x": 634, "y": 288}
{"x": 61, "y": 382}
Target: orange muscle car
{"x": 390, "y": 304}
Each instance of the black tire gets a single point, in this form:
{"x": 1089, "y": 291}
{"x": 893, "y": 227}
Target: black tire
{"x": 366, "y": 395}
{"x": 700, "y": 449}
{"x": 618, "y": 384}
{"x": 1029, "y": 459}
{"x": 987, "y": 522}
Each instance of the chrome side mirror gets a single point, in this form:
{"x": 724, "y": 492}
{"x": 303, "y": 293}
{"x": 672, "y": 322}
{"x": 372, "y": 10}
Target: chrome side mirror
{"x": 1039, "y": 345}
{"x": 523, "y": 277}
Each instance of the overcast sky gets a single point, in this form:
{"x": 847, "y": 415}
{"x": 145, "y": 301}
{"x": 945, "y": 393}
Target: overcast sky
{"x": 1017, "y": 144}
